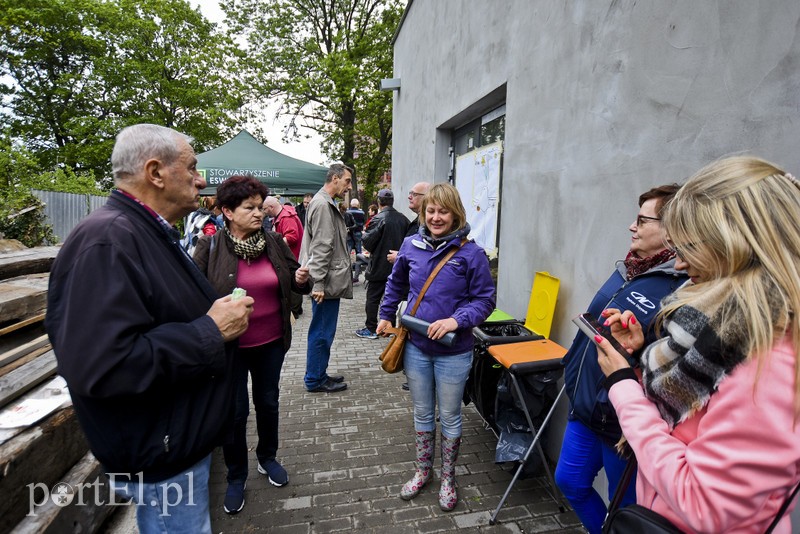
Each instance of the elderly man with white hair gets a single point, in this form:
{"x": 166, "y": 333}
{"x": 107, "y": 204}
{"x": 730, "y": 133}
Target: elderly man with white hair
{"x": 144, "y": 342}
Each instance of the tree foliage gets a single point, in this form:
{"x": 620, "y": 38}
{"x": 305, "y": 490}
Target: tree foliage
{"x": 74, "y": 72}
{"x": 323, "y": 60}
{"x": 22, "y": 214}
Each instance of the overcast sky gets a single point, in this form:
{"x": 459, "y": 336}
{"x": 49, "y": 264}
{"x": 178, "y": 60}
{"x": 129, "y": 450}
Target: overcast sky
{"x": 305, "y": 149}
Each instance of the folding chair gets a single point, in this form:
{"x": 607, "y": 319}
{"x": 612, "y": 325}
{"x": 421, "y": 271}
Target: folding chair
{"x": 523, "y": 358}
{"x": 501, "y": 328}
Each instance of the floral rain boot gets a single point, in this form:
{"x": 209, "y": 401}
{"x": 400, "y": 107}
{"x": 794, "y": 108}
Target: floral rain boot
{"x": 448, "y": 496}
{"x": 425, "y": 442}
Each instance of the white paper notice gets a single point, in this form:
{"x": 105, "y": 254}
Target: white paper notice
{"x": 29, "y": 411}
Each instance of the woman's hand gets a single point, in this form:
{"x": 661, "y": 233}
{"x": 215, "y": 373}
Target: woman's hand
{"x": 383, "y": 324}
{"x": 439, "y": 328}
{"x": 301, "y": 275}
{"x": 624, "y": 327}
{"x": 609, "y": 359}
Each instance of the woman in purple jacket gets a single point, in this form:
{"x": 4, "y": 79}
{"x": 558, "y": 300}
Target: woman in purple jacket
{"x": 460, "y": 297}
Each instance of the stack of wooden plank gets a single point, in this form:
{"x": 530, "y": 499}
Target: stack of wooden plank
{"x": 42, "y": 447}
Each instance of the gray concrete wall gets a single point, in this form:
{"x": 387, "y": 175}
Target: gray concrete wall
{"x": 604, "y": 99}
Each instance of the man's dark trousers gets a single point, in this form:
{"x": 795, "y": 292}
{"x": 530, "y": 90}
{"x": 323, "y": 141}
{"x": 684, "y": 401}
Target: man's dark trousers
{"x": 375, "y": 290}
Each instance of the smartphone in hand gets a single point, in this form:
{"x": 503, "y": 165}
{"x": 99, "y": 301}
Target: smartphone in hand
{"x": 591, "y": 327}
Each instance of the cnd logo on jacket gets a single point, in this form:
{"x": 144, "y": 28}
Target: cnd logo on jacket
{"x": 640, "y": 302}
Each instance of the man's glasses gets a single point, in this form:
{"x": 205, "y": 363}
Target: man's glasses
{"x": 644, "y": 219}
{"x": 413, "y": 194}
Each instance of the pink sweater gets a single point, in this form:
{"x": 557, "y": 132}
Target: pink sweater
{"x": 729, "y": 467}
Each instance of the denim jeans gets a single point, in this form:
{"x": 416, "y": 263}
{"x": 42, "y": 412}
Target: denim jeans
{"x": 263, "y": 364}
{"x": 321, "y": 331}
{"x": 354, "y": 242}
{"x": 175, "y": 505}
{"x": 436, "y": 379}
{"x": 582, "y": 456}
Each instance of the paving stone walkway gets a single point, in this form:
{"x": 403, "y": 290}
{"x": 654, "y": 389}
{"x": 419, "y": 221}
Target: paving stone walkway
{"x": 348, "y": 454}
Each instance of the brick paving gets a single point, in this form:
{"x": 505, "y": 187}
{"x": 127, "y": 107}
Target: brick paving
{"x": 348, "y": 454}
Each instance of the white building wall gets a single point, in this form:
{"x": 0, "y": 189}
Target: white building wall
{"x": 604, "y": 99}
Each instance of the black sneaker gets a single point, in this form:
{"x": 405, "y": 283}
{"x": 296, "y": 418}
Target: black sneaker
{"x": 275, "y": 473}
{"x": 234, "y": 497}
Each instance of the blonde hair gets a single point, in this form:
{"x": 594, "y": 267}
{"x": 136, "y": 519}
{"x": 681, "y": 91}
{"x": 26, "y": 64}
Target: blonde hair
{"x": 446, "y": 196}
{"x": 737, "y": 222}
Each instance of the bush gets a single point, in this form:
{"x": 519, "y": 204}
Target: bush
{"x": 22, "y": 218}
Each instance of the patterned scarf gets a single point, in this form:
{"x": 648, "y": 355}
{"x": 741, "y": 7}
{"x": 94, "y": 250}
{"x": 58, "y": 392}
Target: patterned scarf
{"x": 636, "y": 265}
{"x": 681, "y": 371}
{"x": 250, "y": 247}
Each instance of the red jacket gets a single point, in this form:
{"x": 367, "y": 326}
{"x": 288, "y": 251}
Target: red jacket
{"x": 287, "y": 223}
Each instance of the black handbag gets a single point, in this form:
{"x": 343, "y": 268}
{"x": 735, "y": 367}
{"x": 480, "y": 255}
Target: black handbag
{"x": 637, "y": 518}
{"x": 634, "y": 517}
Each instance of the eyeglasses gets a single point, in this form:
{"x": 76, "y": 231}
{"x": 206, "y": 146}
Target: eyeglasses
{"x": 644, "y": 219}
{"x": 413, "y": 194}
{"x": 679, "y": 251}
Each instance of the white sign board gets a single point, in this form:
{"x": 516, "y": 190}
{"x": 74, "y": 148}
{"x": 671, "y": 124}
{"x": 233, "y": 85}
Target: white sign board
{"x": 478, "y": 183}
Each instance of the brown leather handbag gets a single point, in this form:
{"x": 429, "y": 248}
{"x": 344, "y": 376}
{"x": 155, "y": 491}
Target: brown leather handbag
{"x": 392, "y": 356}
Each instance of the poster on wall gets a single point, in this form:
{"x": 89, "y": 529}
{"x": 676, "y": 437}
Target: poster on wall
{"x": 478, "y": 183}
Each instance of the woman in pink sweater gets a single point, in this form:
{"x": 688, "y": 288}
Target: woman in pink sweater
{"x": 716, "y": 430}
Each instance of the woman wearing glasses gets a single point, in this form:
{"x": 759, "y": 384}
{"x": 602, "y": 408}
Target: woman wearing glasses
{"x": 716, "y": 429}
{"x": 638, "y": 283}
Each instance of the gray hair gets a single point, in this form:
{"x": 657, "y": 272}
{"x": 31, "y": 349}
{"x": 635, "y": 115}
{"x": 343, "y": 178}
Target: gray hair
{"x": 338, "y": 169}
{"x": 138, "y": 143}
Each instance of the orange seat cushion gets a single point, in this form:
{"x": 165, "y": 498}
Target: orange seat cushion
{"x": 529, "y": 356}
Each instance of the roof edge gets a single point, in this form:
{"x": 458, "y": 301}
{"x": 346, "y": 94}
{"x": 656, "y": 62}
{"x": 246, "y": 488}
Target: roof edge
{"x": 402, "y": 20}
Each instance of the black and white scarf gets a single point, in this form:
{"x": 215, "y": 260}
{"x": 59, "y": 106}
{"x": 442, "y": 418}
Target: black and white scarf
{"x": 702, "y": 346}
{"x": 250, "y": 247}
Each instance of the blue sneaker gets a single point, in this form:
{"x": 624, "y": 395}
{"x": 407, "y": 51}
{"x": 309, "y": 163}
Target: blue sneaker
{"x": 366, "y": 333}
{"x": 234, "y": 497}
{"x": 275, "y": 473}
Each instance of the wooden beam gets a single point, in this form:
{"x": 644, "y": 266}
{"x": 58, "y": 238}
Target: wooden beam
{"x": 18, "y": 352}
{"x": 28, "y": 261}
{"x": 22, "y": 324}
{"x": 26, "y": 377}
{"x": 41, "y": 454}
{"x": 23, "y": 297}
{"x": 91, "y": 503}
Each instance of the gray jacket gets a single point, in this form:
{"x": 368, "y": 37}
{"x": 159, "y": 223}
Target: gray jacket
{"x": 325, "y": 242}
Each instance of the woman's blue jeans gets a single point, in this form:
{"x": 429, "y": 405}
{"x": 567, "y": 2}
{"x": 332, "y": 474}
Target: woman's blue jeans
{"x": 437, "y": 379}
{"x": 583, "y": 454}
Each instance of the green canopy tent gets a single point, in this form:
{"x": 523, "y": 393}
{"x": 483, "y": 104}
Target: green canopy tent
{"x": 244, "y": 154}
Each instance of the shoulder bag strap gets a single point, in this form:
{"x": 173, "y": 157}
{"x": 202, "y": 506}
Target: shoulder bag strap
{"x": 782, "y": 511}
{"x": 622, "y": 486}
{"x": 434, "y": 273}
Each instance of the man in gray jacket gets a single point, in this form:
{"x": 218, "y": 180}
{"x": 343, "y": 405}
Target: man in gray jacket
{"x": 325, "y": 252}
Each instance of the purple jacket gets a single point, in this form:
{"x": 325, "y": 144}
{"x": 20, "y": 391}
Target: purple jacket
{"x": 463, "y": 289}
